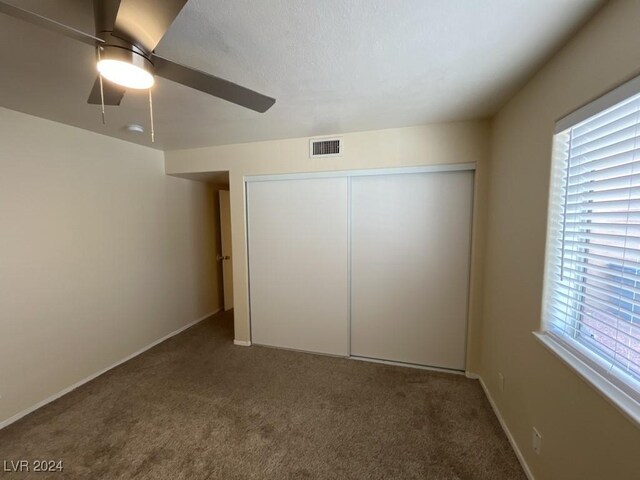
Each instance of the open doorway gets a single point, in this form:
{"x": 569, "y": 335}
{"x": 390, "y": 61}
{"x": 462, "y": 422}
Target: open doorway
{"x": 217, "y": 242}
{"x": 222, "y": 240}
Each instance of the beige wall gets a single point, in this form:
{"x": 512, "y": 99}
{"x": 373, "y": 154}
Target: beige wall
{"x": 584, "y": 437}
{"x": 423, "y": 145}
{"x": 101, "y": 254}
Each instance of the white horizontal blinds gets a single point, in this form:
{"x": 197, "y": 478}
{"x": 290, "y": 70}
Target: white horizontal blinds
{"x": 592, "y": 295}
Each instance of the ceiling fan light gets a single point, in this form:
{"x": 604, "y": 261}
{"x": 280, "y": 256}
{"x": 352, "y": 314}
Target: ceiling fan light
{"x": 126, "y": 74}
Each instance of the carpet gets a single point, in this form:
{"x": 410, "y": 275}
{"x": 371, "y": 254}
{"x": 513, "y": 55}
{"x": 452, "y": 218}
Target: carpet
{"x": 198, "y": 407}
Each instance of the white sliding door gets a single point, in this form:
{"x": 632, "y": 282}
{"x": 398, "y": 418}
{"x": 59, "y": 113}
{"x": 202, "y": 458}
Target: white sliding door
{"x": 410, "y": 253}
{"x": 298, "y": 263}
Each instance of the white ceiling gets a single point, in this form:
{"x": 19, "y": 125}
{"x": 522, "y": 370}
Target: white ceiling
{"x": 333, "y": 65}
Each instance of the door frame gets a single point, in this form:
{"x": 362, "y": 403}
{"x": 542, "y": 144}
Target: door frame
{"x": 451, "y": 167}
{"x": 226, "y": 248}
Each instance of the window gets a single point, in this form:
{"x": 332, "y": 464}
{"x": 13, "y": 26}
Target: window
{"x": 591, "y": 305}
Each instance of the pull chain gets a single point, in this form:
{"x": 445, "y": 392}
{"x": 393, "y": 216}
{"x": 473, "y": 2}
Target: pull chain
{"x": 151, "y": 116}
{"x": 101, "y": 87}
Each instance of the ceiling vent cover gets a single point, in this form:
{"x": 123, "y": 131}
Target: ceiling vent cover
{"x": 325, "y": 147}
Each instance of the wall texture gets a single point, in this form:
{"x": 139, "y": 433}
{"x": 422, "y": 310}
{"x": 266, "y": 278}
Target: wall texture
{"x": 422, "y": 145}
{"x": 584, "y": 437}
{"x": 101, "y": 254}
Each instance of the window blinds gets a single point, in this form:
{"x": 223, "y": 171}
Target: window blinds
{"x": 592, "y": 284}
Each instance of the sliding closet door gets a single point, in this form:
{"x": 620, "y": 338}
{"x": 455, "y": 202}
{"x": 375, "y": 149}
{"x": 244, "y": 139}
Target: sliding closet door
{"x": 410, "y": 255}
{"x": 298, "y": 264}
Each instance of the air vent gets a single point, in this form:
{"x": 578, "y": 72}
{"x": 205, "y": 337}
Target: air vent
{"x": 325, "y": 147}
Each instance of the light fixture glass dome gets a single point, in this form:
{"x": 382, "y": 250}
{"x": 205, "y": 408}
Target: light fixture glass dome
{"x": 126, "y": 74}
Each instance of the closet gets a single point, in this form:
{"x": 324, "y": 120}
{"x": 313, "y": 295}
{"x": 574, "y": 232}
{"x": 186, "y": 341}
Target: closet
{"x": 370, "y": 264}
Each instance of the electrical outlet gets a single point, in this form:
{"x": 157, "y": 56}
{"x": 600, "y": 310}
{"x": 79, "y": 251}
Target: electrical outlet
{"x": 501, "y": 381}
{"x": 536, "y": 441}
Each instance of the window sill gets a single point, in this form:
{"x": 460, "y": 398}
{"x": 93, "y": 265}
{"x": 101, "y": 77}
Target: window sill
{"x": 618, "y": 398}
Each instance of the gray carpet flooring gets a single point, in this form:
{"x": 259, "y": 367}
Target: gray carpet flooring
{"x": 198, "y": 407}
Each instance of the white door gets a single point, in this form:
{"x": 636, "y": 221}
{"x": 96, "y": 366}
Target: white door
{"x": 298, "y": 262}
{"x": 226, "y": 257}
{"x": 410, "y": 251}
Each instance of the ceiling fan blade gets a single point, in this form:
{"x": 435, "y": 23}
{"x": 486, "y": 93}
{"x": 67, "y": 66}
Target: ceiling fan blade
{"x": 144, "y": 22}
{"x": 48, "y": 24}
{"x": 215, "y": 86}
{"x": 112, "y": 93}
{"x": 104, "y": 14}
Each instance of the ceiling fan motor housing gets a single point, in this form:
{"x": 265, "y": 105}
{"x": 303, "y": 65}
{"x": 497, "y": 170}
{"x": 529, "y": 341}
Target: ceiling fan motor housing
{"x": 115, "y": 48}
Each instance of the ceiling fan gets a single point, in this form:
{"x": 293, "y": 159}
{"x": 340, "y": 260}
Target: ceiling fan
{"x": 127, "y": 32}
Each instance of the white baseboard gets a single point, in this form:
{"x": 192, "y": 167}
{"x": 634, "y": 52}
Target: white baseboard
{"x": 242, "y": 343}
{"x": 55, "y": 396}
{"x": 512, "y": 441}
{"x": 472, "y": 376}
